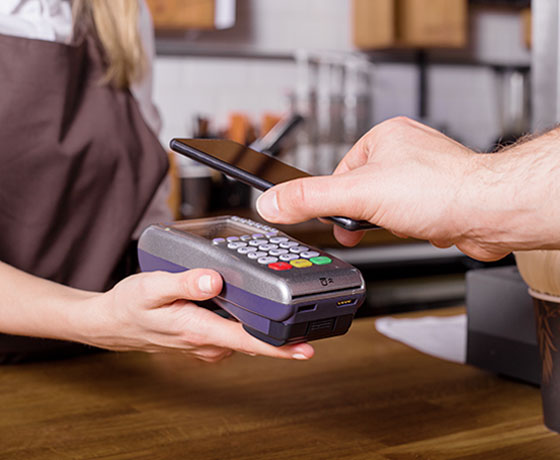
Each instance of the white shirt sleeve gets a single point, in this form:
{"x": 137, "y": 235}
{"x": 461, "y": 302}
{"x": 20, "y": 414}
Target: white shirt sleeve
{"x": 49, "y": 20}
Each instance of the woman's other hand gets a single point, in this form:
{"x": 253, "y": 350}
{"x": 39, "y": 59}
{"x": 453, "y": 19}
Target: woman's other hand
{"x": 153, "y": 312}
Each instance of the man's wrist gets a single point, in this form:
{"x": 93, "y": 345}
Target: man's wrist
{"x": 511, "y": 195}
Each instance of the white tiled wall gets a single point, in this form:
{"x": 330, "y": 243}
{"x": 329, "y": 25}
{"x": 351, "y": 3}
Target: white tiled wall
{"x": 394, "y": 90}
{"x": 463, "y": 103}
{"x": 186, "y": 88}
{"x": 462, "y": 98}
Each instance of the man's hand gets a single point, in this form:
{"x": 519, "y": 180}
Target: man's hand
{"x": 407, "y": 178}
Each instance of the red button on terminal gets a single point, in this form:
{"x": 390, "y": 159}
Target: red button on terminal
{"x": 280, "y": 266}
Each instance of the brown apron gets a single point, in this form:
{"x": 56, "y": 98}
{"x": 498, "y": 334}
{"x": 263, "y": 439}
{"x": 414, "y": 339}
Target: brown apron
{"x": 78, "y": 167}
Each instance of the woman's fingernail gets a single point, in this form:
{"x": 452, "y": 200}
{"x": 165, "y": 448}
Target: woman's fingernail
{"x": 267, "y": 205}
{"x": 299, "y": 356}
{"x": 205, "y": 283}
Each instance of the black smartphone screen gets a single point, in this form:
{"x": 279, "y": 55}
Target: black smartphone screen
{"x": 254, "y": 168}
{"x": 262, "y": 170}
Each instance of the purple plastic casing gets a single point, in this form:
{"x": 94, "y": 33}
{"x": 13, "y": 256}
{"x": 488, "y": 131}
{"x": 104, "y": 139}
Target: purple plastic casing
{"x": 234, "y": 300}
{"x": 276, "y": 307}
{"x": 235, "y": 296}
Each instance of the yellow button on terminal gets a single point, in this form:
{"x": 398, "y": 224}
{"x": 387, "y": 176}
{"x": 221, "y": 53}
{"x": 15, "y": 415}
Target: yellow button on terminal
{"x": 301, "y": 263}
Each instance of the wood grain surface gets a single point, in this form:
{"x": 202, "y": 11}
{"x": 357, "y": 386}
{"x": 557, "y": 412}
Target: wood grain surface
{"x": 362, "y": 397}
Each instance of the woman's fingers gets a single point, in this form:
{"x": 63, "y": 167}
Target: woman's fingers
{"x": 155, "y": 289}
{"x": 211, "y": 329}
{"x": 150, "y": 312}
{"x": 210, "y": 354}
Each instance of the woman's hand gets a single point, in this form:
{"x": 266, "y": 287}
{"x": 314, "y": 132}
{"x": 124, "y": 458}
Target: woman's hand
{"x": 411, "y": 180}
{"x": 152, "y": 312}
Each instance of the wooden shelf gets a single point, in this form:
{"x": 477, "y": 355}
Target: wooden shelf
{"x": 183, "y": 14}
{"x": 383, "y": 24}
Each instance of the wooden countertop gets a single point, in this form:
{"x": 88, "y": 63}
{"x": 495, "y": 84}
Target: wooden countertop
{"x": 362, "y": 397}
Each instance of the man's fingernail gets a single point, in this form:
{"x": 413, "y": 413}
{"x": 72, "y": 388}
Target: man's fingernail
{"x": 267, "y": 205}
{"x": 299, "y": 356}
{"x": 205, "y": 283}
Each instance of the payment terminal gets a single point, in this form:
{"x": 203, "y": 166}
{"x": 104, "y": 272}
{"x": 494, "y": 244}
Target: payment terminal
{"x": 280, "y": 289}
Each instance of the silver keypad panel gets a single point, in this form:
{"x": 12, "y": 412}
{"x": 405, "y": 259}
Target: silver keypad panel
{"x": 267, "y": 248}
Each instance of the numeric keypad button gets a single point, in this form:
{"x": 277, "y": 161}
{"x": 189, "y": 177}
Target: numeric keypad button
{"x": 299, "y": 249}
{"x": 247, "y": 250}
{"x": 309, "y": 254}
{"x": 288, "y": 257}
{"x": 256, "y": 255}
{"x": 267, "y": 247}
{"x": 257, "y": 242}
{"x": 289, "y": 244}
{"x": 236, "y": 245}
{"x": 267, "y": 260}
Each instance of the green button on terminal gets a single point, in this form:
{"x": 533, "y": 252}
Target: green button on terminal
{"x": 321, "y": 260}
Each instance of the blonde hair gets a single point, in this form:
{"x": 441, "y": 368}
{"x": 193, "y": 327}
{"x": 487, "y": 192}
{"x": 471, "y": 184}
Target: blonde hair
{"x": 541, "y": 270}
{"x": 116, "y": 24}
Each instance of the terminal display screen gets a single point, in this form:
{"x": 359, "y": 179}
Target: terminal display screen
{"x": 215, "y": 228}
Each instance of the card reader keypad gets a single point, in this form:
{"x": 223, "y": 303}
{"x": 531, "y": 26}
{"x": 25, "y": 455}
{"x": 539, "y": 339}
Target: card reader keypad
{"x": 269, "y": 249}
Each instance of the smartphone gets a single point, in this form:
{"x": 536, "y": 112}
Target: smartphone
{"x": 254, "y": 168}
